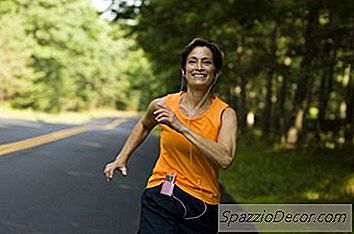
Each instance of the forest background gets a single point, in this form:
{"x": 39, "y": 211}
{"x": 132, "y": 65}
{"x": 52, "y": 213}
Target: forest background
{"x": 288, "y": 72}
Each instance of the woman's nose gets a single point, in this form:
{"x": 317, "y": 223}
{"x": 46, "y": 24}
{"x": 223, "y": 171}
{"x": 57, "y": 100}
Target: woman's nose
{"x": 199, "y": 65}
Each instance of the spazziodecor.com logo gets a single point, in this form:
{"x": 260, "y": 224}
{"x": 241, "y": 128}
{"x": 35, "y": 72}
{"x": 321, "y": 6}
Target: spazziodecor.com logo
{"x": 285, "y": 218}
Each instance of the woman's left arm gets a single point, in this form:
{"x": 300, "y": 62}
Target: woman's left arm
{"x": 222, "y": 151}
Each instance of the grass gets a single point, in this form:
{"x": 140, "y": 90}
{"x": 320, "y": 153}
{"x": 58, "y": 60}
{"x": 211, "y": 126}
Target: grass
{"x": 64, "y": 117}
{"x": 264, "y": 175}
{"x": 261, "y": 175}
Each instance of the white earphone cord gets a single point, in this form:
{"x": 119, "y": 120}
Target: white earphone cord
{"x": 185, "y": 210}
{"x": 190, "y": 151}
{"x": 197, "y": 107}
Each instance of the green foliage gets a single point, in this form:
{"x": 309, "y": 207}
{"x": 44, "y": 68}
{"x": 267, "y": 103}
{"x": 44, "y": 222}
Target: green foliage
{"x": 283, "y": 59}
{"x": 267, "y": 175}
{"x": 280, "y": 59}
{"x": 70, "y": 59}
{"x": 166, "y": 26}
{"x": 16, "y": 71}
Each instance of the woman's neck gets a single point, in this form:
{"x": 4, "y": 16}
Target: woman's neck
{"x": 197, "y": 99}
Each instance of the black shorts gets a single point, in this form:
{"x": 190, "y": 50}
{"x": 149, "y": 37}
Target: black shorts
{"x": 181, "y": 213}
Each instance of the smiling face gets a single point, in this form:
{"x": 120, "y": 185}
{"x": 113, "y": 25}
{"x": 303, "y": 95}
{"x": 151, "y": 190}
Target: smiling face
{"x": 199, "y": 67}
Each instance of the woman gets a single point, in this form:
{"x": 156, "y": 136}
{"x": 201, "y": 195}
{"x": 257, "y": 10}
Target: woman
{"x": 198, "y": 137}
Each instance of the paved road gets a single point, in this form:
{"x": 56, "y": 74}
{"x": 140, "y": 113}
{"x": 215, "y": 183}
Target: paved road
{"x": 60, "y": 188}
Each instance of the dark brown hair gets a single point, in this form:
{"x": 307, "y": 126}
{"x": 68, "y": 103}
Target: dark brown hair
{"x": 216, "y": 51}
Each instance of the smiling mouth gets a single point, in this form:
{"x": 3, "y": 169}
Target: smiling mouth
{"x": 198, "y": 75}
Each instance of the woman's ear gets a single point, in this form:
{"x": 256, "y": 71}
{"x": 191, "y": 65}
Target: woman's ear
{"x": 182, "y": 72}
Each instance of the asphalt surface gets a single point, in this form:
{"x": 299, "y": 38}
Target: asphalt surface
{"x": 60, "y": 187}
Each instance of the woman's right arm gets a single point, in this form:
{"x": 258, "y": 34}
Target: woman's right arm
{"x": 138, "y": 134}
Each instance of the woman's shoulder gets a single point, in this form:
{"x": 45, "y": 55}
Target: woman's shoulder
{"x": 225, "y": 108}
{"x": 221, "y": 103}
{"x": 170, "y": 97}
{"x": 174, "y": 95}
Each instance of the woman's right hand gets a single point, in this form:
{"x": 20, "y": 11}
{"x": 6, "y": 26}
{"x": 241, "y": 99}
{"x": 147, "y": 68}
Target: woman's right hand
{"x": 112, "y": 166}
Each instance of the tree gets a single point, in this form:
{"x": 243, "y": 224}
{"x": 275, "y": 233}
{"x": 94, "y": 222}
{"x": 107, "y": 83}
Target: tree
{"x": 16, "y": 71}
{"x": 281, "y": 59}
{"x": 80, "y": 61}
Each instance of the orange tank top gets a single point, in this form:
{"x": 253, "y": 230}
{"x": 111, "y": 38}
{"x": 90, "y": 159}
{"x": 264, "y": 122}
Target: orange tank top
{"x": 197, "y": 175}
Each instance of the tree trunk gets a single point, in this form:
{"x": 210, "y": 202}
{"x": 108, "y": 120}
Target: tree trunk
{"x": 302, "y": 84}
{"x": 305, "y": 128}
{"x": 242, "y": 105}
{"x": 267, "y": 113}
{"x": 349, "y": 119}
{"x": 281, "y": 108}
{"x": 326, "y": 86}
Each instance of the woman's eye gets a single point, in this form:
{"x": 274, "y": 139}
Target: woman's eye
{"x": 207, "y": 62}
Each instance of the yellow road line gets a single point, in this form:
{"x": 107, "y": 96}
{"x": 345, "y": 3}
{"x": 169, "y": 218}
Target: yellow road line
{"x": 54, "y": 136}
{"x": 113, "y": 125}
{"x": 40, "y": 140}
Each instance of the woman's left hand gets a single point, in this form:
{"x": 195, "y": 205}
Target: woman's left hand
{"x": 165, "y": 115}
